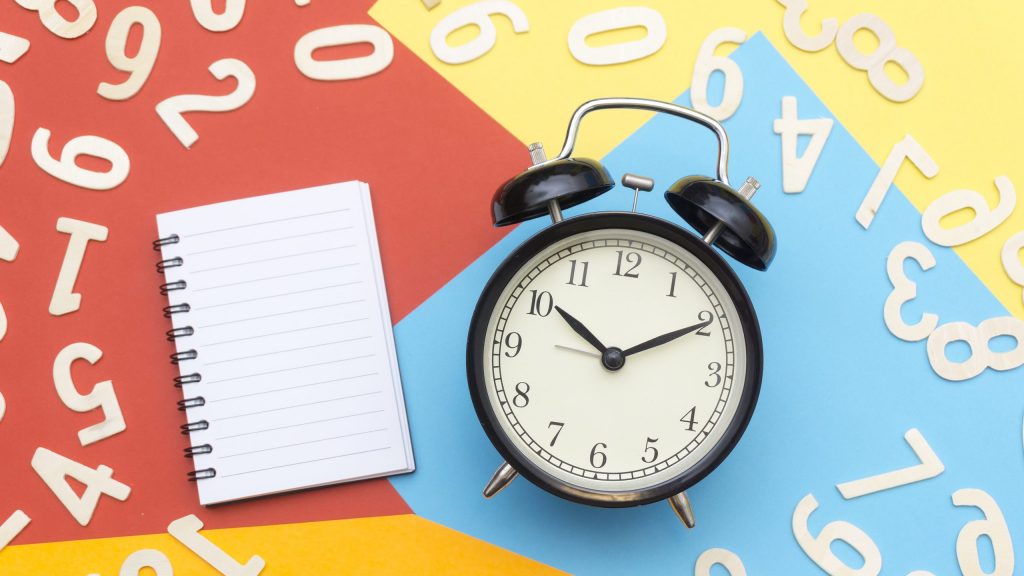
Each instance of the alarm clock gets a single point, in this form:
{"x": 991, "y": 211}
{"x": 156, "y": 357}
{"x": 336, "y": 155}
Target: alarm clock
{"x": 614, "y": 359}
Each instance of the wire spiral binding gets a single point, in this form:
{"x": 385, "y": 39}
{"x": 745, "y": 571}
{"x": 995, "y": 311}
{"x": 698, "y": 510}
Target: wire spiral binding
{"x": 202, "y": 474}
{"x": 178, "y": 357}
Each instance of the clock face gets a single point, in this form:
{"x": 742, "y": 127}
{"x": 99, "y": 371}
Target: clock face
{"x": 617, "y": 361}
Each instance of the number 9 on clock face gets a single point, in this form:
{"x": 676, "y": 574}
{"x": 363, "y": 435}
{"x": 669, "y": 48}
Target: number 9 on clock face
{"x": 614, "y": 359}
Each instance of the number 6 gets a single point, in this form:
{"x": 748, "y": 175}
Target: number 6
{"x": 707, "y": 63}
{"x": 820, "y": 549}
{"x": 994, "y": 526}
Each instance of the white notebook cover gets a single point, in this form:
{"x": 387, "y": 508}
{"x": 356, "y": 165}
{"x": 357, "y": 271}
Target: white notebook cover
{"x": 299, "y": 378}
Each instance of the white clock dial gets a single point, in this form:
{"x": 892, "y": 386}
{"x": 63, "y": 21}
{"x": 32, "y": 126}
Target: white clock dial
{"x": 646, "y": 422}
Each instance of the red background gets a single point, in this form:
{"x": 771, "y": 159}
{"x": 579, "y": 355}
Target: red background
{"x": 405, "y": 131}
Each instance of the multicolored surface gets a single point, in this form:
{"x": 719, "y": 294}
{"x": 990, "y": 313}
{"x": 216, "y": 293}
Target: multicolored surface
{"x": 434, "y": 140}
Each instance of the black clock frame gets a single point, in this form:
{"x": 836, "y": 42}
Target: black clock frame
{"x": 479, "y": 339}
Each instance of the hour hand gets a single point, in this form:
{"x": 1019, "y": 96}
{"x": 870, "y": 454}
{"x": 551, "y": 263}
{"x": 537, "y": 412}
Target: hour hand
{"x": 664, "y": 338}
{"x": 580, "y": 329}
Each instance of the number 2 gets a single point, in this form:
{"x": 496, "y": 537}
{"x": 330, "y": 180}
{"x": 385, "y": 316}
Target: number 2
{"x": 171, "y": 109}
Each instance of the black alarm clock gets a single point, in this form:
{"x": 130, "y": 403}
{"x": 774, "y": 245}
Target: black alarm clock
{"x": 614, "y": 359}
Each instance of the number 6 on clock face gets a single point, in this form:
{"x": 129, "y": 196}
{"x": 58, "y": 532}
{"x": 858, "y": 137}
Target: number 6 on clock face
{"x": 619, "y": 364}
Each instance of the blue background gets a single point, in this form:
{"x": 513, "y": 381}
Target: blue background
{"x": 838, "y": 394}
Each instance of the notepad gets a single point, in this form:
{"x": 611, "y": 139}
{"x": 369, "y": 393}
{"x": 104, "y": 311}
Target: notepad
{"x": 283, "y": 341}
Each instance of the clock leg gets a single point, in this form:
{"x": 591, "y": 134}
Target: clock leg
{"x": 502, "y": 477}
{"x": 681, "y": 506}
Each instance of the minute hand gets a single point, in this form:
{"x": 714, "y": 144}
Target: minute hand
{"x": 664, "y": 339}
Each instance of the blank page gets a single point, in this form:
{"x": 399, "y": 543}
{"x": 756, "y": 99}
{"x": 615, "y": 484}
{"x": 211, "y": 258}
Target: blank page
{"x": 292, "y": 337}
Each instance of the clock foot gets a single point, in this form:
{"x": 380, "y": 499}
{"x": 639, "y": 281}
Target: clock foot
{"x": 502, "y": 477}
{"x": 681, "y": 506}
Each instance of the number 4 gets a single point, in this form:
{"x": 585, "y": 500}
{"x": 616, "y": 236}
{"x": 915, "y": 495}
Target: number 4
{"x": 797, "y": 170}
{"x": 54, "y": 470}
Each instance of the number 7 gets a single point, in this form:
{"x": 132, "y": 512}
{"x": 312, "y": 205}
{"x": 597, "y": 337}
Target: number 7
{"x": 906, "y": 149}
{"x": 929, "y": 467}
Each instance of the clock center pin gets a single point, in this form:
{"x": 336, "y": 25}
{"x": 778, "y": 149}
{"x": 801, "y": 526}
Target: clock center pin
{"x": 613, "y": 359}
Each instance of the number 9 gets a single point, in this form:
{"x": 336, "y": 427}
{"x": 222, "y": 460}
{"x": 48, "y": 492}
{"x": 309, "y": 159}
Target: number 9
{"x": 820, "y": 549}
{"x": 474, "y": 15}
{"x": 722, "y": 557}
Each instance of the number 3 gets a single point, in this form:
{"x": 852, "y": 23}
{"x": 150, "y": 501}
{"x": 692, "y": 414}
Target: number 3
{"x": 904, "y": 290}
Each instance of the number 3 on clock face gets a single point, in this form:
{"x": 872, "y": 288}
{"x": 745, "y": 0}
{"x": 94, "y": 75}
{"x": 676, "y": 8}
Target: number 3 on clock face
{"x": 614, "y": 359}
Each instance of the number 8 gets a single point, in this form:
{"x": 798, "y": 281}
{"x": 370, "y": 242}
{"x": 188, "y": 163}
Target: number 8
{"x": 874, "y": 63}
{"x": 978, "y": 339}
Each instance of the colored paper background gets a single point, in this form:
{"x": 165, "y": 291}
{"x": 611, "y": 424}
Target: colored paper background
{"x": 434, "y": 140}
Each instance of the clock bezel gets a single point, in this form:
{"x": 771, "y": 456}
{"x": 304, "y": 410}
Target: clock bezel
{"x": 478, "y": 339}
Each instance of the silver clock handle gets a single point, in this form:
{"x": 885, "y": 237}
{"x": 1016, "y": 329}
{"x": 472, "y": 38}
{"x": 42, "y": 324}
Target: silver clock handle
{"x": 655, "y": 106}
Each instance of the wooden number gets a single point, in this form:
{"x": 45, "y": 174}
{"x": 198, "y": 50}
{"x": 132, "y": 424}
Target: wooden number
{"x": 978, "y": 339}
{"x": 993, "y": 526}
{"x": 430, "y": 4}
{"x": 707, "y": 63}
{"x": 8, "y": 246}
{"x": 617, "y": 19}
{"x": 797, "y": 170}
{"x": 54, "y": 469}
{"x": 56, "y": 23}
{"x": 929, "y": 467}
{"x": 795, "y": 33}
{"x": 819, "y": 549}
{"x": 478, "y": 15}
{"x": 13, "y": 526}
{"x": 207, "y": 18}
{"x": 3, "y": 328}
{"x": 724, "y": 558}
{"x": 102, "y": 395}
{"x": 12, "y": 47}
{"x": 6, "y": 119}
{"x": 1010, "y": 256}
{"x": 147, "y": 558}
{"x": 186, "y": 530}
{"x": 170, "y": 110}
{"x": 67, "y": 170}
{"x": 906, "y": 149}
{"x": 349, "y": 68}
{"x": 904, "y": 290}
{"x": 64, "y": 299}
{"x": 3, "y": 401}
{"x": 984, "y": 221}
{"x": 875, "y": 62}
{"x": 138, "y": 66}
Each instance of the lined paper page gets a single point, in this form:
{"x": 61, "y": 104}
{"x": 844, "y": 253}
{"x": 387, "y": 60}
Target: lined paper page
{"x": 293, "y": 338}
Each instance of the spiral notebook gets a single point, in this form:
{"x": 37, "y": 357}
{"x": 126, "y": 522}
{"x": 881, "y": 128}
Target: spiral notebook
{"x": 287, "y": 361}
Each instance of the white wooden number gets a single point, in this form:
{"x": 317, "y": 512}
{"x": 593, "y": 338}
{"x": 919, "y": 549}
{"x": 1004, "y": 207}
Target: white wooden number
{"x": 707, "y": 63}
{"x": 617, "y": 19}
{"x": 994, "y": 526}
{"x": 722, "y": 557}
{"x": 140, "y": 65}
{"x": 984, "y": 221}
{"x": 796, "y": 170}
{"x": 12, "y": 47}
{"x": 3, "y": 401}
{"x": 170, "y": 110}
{"x": 875, "y": 62}
{"x": 54, "y": 469}
{"x": 65, "y": 169}
{"x": 207, "y": 18}
{"x": 64, "y": 299}
{"x": 6, "y": 119}
{"x": 147, "y": 558}
{"x": 906, "y": 149}
{"x": 929, "y": 467}
{"x": 819, "y": 549}
{"x": 13, "y": 526}
{"x": 904, "y": 290}
{"x": 978, "y": 339}
{"x": 56, "y": 23}
{"x": 1011, "y": 259}
{"x": 795, "y": 33}
{"x": 186, "y": 530}
{"x": 350, "y": 68}
{"x": 102, "y": 395}
{"x": 479, "y": 15}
